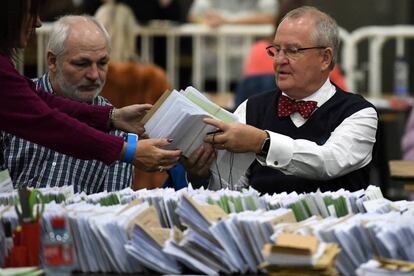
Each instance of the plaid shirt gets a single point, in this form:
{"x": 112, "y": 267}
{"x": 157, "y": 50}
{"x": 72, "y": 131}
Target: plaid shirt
{"x": 33, "y": 165}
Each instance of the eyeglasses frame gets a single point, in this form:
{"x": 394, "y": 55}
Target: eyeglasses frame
{"x": 297, "y": 49}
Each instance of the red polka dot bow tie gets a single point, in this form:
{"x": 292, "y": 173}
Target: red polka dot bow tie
{"x": 287, "y": 106}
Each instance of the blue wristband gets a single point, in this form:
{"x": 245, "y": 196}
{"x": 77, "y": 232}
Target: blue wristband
{"x": 132, "y": 142}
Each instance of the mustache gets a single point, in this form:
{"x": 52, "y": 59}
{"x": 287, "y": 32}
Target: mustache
{"x": 91, "y": 84}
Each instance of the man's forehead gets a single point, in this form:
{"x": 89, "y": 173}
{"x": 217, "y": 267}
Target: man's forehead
{"x": 80, "y": 53}
{"x": 304, "y": 21}
{"x": 87, "y": 33}
{"x": 86, "y": 47}
{"x": 294, "y": 30}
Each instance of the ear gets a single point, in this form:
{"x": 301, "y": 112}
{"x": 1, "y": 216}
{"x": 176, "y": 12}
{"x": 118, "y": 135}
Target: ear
{"x": 51, "y": 61}
{"x": 326, "y": 58}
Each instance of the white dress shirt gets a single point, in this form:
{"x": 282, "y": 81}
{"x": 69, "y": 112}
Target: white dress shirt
{"x": 348, "y": 148}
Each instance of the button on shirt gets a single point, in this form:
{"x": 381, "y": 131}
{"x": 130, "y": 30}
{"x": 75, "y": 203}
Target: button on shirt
{"x": 348, "y": 148}
{"x": 32, "y": 165}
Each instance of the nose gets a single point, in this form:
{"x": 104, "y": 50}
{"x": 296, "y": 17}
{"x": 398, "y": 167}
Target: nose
{"x": 92, "y": 73}
{"x": 280, "y": 59}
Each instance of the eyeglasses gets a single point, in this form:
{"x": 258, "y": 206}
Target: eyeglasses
{"x": 291, "y": 52}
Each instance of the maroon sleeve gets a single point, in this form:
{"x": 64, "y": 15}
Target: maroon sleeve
{"x": 46, "y": 121}
{"x": 94, "y": 115}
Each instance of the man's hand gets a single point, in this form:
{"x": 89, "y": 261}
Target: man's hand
{"x": 199, "y": 162}
{"x": 129, "y": 118}
{"x": 150, "y": 157}
{"x": 236, "y": 137}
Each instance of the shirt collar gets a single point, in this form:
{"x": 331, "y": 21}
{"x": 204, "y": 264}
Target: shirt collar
{"x": 48, "y": 83}
{"x": 43, "y": 83}
{"x": 322, "y": 95}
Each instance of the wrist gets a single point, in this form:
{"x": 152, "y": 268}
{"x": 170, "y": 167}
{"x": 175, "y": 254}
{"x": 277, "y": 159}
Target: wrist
{"x": 264, "y": 149}
{"x": 130, "y": 148}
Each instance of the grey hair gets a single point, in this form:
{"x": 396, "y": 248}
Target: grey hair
{"x": 60, "y": 32}
{"x": 326, "y": 29}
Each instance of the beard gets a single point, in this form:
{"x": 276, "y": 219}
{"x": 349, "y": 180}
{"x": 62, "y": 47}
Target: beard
{"x": 78, "y": 92}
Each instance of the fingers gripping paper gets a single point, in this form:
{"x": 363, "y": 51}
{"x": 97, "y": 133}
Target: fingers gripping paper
{"x": 179, "y": 116}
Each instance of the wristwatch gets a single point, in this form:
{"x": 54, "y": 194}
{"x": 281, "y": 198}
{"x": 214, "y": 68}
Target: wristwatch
{"x": 265, "y": 146}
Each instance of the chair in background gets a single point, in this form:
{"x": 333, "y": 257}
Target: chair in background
{"x": 136, "y": 83}
{"x": 130, "y": 83}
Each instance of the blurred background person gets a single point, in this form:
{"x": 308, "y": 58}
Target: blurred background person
{"x": 120, "y": 22}
{"x": 149, "y": 10}
{"x": 162, "y": 13}
{"x": 216, "y": 13}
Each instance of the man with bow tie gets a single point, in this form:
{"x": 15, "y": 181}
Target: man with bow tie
{"x": 308, "y": 134}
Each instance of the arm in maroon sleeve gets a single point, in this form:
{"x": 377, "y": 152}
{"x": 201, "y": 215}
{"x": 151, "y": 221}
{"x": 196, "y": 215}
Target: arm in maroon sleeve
{"x": 24, "y": 113}
{"x": 94, "y": 115}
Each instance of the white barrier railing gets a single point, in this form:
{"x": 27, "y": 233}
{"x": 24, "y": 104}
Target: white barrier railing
{"x": 376, "y": 36}
{"x": 198, "y": 33}
{"x": 172, "y": 35}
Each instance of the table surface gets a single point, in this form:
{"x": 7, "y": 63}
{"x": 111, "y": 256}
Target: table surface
{"x": 402, "y": 169}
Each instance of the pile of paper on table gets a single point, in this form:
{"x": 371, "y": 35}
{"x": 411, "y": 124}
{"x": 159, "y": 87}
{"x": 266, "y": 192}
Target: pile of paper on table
{"x": 179, "y": 116}
{"x": 294, "y": 254}
{"x": 385, "y": 267}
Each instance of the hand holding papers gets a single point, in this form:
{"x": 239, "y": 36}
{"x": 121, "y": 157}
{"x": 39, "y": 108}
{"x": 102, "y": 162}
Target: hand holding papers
{"x": 128, "y": 118}
{"x": 179, "y": 116}
{"x": 152, "y": 157}
{"x": 236, "y": 137}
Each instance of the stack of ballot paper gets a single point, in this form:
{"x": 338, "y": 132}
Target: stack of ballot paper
{"x": 361, "y": 237}
{"x": 243, "y": 235}
{"x": 99, "y": 235}
{"x": 224, "y": 232}
{"x": 216, "y": 243}
{"x": 337, "y": 204}
{"x": 147, "y": 241}
{"x": 197, "y": 247}
{"x": 385, "y": 267}
{"x": 179, "y": 115}
{"x": 21, "y": 271}
{"x": 300, "y": 255}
